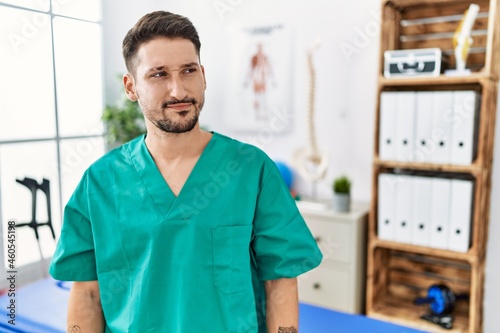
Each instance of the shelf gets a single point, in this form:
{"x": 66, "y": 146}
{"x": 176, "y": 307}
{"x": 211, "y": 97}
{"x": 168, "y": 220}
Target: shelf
{"x": 397, "y": 273}
{"x": 466, "y": 257}
{"x": 403, "y": 276}
{"x": 474, "y": 78}
{"x": 402, "y": 311}
{"x": 472, "y": 169}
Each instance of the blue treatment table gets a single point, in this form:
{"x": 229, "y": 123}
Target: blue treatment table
{"x": 319, "y": 320}
{"x": 41, "y": 308}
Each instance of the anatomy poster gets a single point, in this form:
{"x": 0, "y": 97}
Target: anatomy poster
{"x": 260, "y": 83}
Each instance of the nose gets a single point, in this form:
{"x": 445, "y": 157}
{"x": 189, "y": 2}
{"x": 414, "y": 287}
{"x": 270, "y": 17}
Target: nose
{"x": 177, "y": 89}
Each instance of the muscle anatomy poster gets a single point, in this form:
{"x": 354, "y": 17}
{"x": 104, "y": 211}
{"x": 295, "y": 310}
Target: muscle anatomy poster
{"x": 259, "y": 83}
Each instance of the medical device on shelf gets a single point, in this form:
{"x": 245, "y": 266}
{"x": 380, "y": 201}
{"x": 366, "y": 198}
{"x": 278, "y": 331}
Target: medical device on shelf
{"x": 462, "y": 40}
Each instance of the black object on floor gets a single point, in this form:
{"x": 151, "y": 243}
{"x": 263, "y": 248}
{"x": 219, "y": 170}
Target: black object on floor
{"x": 34, "y": 186}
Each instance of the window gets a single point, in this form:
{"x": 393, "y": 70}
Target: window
{"x": 50, "y": 126}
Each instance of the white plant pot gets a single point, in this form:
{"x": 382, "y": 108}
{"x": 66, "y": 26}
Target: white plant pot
{"x": 341, "y": 202}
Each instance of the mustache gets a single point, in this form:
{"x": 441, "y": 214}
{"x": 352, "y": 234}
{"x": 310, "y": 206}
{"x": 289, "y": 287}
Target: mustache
{"x": 187, "y": 100}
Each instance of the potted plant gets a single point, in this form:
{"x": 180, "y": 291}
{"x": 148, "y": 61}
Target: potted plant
{"x": 341, "y": 194}
{"x": 123, "y": 121}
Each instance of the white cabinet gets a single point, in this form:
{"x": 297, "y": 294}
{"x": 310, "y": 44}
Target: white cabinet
{"x": 339, "y": 282}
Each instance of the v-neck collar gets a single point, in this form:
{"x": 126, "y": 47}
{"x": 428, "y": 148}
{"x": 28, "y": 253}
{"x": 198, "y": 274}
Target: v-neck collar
{"x": 155, "y": 185}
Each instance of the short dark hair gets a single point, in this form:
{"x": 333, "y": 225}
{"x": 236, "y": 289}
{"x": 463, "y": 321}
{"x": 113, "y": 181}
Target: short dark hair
{"x": 157, "y": 24}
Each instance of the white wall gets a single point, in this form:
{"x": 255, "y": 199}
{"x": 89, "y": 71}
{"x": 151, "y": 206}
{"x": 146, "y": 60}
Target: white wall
{"x": 346, "y": 86}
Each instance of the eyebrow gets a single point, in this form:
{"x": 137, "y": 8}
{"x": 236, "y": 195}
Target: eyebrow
{"x": 191, "y": 64}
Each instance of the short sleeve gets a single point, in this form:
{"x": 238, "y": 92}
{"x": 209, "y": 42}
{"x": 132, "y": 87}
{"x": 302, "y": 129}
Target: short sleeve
{"x": 74, "y": 258}
{"x": 283, "y": 245}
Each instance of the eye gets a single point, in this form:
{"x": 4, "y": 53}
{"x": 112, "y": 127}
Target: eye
{"x": 190, "y": 70}
{"x": 159, "y": 74}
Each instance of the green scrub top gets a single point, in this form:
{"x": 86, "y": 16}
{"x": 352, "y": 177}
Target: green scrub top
{"x": 192, "y": 263}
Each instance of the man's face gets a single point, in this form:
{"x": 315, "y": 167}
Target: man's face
{"x": 169, "y": 84}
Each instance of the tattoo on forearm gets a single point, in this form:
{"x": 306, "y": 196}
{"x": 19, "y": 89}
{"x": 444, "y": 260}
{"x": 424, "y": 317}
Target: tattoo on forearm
{"x": 74, "y": 329}
{"x": 287, "y": 330}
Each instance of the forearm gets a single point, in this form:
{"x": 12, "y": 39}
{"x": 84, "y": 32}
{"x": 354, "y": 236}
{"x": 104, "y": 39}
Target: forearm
{"x": 282, "y": 306}
{"x": 84, "y": 309}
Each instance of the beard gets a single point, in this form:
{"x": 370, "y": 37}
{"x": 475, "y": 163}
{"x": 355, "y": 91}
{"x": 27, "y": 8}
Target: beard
{"x": 169, "y": 125}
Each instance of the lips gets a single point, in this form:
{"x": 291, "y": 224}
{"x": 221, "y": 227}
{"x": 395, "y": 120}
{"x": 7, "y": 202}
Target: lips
{"x": 180, "y": 106}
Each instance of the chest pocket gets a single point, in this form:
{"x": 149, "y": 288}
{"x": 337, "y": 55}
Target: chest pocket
{"x": 231, "y": 255}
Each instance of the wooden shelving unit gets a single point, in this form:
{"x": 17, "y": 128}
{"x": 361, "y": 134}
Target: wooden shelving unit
{"x": 396, "y": 272}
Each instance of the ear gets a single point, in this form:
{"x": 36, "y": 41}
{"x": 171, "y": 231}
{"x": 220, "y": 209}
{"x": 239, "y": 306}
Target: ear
{"x": 129, "y": 85}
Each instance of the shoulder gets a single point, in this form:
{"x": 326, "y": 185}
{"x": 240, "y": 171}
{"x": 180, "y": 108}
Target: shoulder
{"x": 115, "y": 160}
{"x": 251, "y": 160}
{"x": 117, "y": 155}
{"x": 244, "y": 152}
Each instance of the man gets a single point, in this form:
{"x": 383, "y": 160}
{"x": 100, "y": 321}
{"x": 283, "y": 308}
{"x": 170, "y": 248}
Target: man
{"x": 180, "y": 230}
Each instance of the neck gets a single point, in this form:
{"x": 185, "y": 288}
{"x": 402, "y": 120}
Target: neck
{"x": 172, "y": 146}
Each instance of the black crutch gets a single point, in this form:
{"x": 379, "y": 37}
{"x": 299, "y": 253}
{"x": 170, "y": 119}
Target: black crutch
{"x": 33, "y": 186}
